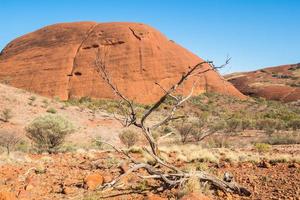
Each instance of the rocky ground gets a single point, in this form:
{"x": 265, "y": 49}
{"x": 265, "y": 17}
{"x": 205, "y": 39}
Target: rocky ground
{"x": 77, "y": 175}
{"x": 82, "y": 167}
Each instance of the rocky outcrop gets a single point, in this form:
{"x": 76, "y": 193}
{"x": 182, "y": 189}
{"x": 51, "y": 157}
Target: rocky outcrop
{"x": 59, "y": 60}
{"x": 280, "y": 83}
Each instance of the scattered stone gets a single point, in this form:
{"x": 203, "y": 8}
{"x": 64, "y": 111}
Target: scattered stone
{"x": 92, "y": 181}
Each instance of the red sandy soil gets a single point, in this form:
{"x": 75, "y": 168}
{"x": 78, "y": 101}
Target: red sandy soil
{"x": 62, "y": 177}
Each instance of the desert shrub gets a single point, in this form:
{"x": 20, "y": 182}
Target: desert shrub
{"x": 220, "y": 142}
{"x": 22, "y": 146}
{"x": 262, "y": 147}
{"x": 45, "y": 103}
{"x": 98, "y": 142}
{"x": 68, "y": 147}
{"x": 135, "y": 149}
{"x": 191, "y": 185}
{"x": 186, "y": 131}
{"x": 288, "y": 138}
{"x": 294, "y": 124}
{"x": 129, "y": 138}
{"x": 246, "y": 124}
{"x": 48, "y": 132}
{"x": 51, "y": 110}
{"x": 9, "y": 140}
{"x": 32, "y": 98}
{"x": 195, "y": 130}
{"x": 6, "y": 115}
{"x": 233, "y": 125}
{"x": 269, "y": 126}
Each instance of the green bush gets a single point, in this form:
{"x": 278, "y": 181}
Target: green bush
{"x": 98, "y": 142}
{"x": 32, "y": 98}
{"x": 48, "y": 132}
{"x": 51, "y": 110}
{"x": 262, "y": 147}
{"x": 129, "y": 138}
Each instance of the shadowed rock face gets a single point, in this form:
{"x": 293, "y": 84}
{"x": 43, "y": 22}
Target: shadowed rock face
{"x": 59, "y": 60}
{"x": 280, "y": 83}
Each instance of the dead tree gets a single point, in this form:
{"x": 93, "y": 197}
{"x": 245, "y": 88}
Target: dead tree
{"x": 9, "y": 140}
{"x": 130, "y": 118}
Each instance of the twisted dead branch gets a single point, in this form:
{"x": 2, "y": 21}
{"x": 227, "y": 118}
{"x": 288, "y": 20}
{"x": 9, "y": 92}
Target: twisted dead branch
{"x": 176, "y": 177}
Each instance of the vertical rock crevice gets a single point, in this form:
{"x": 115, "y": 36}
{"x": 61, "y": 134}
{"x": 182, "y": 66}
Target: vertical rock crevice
{"x": 75, "y": 56}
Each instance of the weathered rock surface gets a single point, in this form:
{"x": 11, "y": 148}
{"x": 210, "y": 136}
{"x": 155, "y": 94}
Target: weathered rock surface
{"x": 280, "y": 83}
{"x": 92, "y": 181}
{"x": 59, "y": 60}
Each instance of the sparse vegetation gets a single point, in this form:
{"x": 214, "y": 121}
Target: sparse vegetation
{"x": 285, "y": 138}
{"x": 48, "y": 132}
{"x": 45, "y": 103}
{"x": 192, "y": 185}
{"x": 129, "y": 137}
{"x": 262, "y": 147}
{"x": 32, "y": 98}
{"x": 9, "y": 140}
{"x": 6, "y": 115}
{"x": 51, "y": 110}
{"x": 97, "y": 142}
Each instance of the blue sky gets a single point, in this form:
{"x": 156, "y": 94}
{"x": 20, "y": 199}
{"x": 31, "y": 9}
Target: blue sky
{"x": 255, "y": 33}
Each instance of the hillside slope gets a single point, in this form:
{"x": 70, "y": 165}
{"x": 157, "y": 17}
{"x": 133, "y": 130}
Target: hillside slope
{"x": 274, "y": 83}
{"x": 25, "y": 106}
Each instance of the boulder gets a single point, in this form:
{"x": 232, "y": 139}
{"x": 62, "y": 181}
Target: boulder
{"x": 92, "y": 181}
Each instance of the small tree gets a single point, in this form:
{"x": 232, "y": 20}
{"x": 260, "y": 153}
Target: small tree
{"x": 9, "y": 140}
{"x": 197, "y": 131}
{"x": 48, "y": 132}
{"x": 6, "y": 115}
{"x": 129, "y": 137}
{"x": 185, "y": 130}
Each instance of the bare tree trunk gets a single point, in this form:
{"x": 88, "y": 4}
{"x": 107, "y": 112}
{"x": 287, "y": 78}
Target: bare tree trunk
{"x": 176, "y": 177}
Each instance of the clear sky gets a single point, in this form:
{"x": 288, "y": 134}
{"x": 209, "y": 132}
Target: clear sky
{"x": 255, "y": 33}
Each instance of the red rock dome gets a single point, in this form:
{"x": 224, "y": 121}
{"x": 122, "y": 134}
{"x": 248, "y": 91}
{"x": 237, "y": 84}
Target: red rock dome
{"x": 281, "y": 83}
{"x": 59, "y": 60}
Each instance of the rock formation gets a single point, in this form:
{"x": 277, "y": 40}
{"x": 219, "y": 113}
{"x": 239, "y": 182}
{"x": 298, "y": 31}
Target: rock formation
{"x": 275, "y": 83}
{"x": 59, "y": 60}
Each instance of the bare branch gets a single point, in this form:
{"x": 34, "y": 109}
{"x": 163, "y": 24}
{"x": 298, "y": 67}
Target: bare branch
{"x": 172, "y": 112}
{"x": 120, "y": 151}
{"x": 130, "y": 118}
